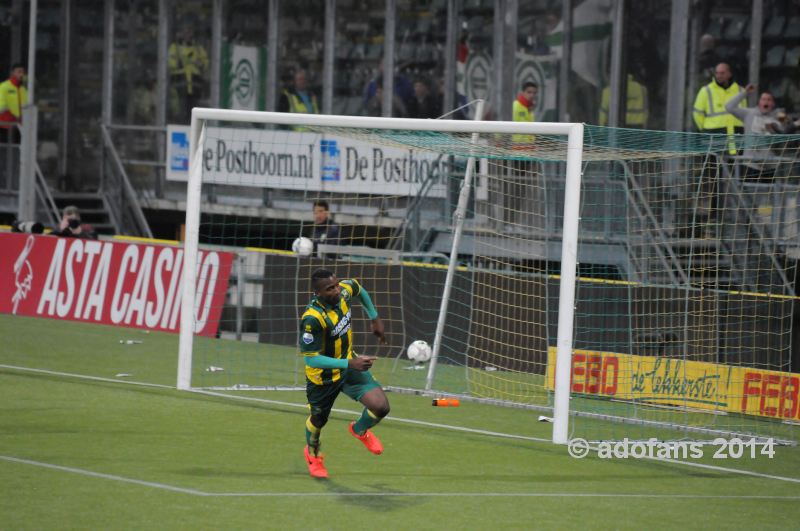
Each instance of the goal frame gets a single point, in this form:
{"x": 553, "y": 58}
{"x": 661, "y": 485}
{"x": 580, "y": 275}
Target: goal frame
{"x": 569, "y": 247}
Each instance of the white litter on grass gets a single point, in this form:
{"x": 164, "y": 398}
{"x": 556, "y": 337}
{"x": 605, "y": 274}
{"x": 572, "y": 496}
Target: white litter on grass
{"x": 123, "y": 375}
{"x": 490, "y": 368}
{"x": 416, "y": 368}
{"x": 129, "y": 342}
{"x": 542, "y": 418}
{"x": 211, "y": 368}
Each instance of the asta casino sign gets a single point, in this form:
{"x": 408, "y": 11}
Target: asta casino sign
{"x": 308, "y": 161}
{"x": 113, "y": 283}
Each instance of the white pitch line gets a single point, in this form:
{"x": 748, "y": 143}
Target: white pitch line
{"x": 499, "y": 495}
{"x": 438, "y": 494}
{"x": 723, "y": 469}
{"x": 89, "y": 473}
{"x": 86, "y": 377}
{"x": 390, "y": 419}
{"x": 398, "y": 419}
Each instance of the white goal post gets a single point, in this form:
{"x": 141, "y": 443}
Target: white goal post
{"x": 569, "y": 246}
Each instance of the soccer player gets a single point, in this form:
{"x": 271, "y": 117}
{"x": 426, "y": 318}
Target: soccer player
{"x": 326, "y": 341}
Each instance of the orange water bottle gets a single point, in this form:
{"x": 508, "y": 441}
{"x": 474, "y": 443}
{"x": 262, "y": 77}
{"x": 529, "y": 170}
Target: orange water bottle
{"x": 445, "y": 402}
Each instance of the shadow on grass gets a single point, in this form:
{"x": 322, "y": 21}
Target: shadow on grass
{"x": 366, "y": 499}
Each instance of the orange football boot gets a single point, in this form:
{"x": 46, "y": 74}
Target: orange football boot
{"x": 315, "y": 465}
{"x": 369, "y": 439}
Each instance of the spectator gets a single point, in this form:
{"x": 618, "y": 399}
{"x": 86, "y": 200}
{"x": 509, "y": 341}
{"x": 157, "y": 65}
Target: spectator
{"x": 325, "y": 231}
{"x": 188, "y": 68}
{"x": 375, "y": 103}
{"x": 763, "y": 119}
{"x": 707, "y": 57}
{"x": 299, "y": 98}
{"x": 72, "y": 227}
{"x": 423, "y": 104}
{"x": 403, "y": 92}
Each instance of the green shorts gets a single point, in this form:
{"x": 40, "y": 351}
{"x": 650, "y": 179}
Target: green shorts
{"x": 354, "y": 384}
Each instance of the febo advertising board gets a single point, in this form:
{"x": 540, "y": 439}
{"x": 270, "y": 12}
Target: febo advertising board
{"x": 123, "y": 284}
{"x": 684, "y": 383}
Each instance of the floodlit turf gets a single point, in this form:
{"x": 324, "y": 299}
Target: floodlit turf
{"x": 79, "y": 453}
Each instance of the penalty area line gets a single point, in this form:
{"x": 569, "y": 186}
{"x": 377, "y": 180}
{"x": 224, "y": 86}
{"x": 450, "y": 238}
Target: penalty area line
{"x": 195, "y": 492}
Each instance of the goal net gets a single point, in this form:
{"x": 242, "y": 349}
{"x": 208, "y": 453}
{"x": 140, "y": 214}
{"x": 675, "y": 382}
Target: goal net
{"x": 672, "y": 317}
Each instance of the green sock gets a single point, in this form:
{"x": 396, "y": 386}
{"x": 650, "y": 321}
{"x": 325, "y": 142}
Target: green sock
{"x": 367, "y": 420}
{"x": 312, "y": 436}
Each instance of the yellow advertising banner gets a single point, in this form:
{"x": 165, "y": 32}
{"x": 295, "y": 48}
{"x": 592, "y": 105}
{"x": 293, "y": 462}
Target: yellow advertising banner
{"x": 765, "y": 393}
{"x": 693, "y": 384}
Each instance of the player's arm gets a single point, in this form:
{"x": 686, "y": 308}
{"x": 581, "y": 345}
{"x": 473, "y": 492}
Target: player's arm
{"x": 366, "y": 302}
{"x": 311, "y": 341}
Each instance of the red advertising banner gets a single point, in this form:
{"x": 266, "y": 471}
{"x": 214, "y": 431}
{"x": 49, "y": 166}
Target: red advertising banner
{"x": 116, "y": 283}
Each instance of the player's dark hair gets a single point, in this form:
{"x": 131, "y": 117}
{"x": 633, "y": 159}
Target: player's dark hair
{"x": 529, "y": 84}
{"x": 17, "y": 65}
{"x": 320, "y": 274}
{"x": 322, "y": 203}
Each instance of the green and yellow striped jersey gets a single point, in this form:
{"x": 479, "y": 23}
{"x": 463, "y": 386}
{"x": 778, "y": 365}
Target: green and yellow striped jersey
{"x": 326, "y": 331}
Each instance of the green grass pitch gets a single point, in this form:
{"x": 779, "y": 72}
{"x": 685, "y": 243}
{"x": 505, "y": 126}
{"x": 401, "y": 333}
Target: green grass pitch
{"x": 81, "y": 451}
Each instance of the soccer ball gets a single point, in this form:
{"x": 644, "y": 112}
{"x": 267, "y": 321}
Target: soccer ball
{"x": 419, "y": 351}
{"x": 303, "y": 246}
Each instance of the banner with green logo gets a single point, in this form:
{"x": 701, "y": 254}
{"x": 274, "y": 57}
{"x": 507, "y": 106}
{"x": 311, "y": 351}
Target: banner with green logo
{"x": 243, "y": 78}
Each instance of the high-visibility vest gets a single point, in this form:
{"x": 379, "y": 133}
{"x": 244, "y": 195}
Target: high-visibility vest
{"x": 12, "y": 98}
{"x": 636, "y": 105}
{"x": 522, "y": 113}
{"x": 709, "y": 112}
{"x": 296, "y": 103}
{"x": 187, "y": 61}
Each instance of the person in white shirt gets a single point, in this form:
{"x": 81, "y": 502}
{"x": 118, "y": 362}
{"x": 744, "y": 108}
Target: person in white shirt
{"x": 763, "y": 119}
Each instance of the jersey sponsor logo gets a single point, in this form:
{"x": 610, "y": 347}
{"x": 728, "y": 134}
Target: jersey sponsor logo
{"x": 308, "y": 338}
{"x": 342, "y": 326}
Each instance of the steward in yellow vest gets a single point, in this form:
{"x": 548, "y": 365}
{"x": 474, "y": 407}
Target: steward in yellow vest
{"x": 299, "y": 98}
{"x": 636, "y": 106}
{"x": 709, "y": 112}
{"x": 523, "y": 110}
{"x": 13, "y": 96}
{"x": 188, "y": 63}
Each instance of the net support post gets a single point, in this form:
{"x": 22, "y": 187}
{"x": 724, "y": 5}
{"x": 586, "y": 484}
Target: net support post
{"x": 190, "y": 244}
{"x": 458, "y": 218}
{"x": 566, "y": 300}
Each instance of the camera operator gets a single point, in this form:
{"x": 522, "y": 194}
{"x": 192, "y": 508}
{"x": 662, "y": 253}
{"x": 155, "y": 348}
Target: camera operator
{"x": 72, "y": 227}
